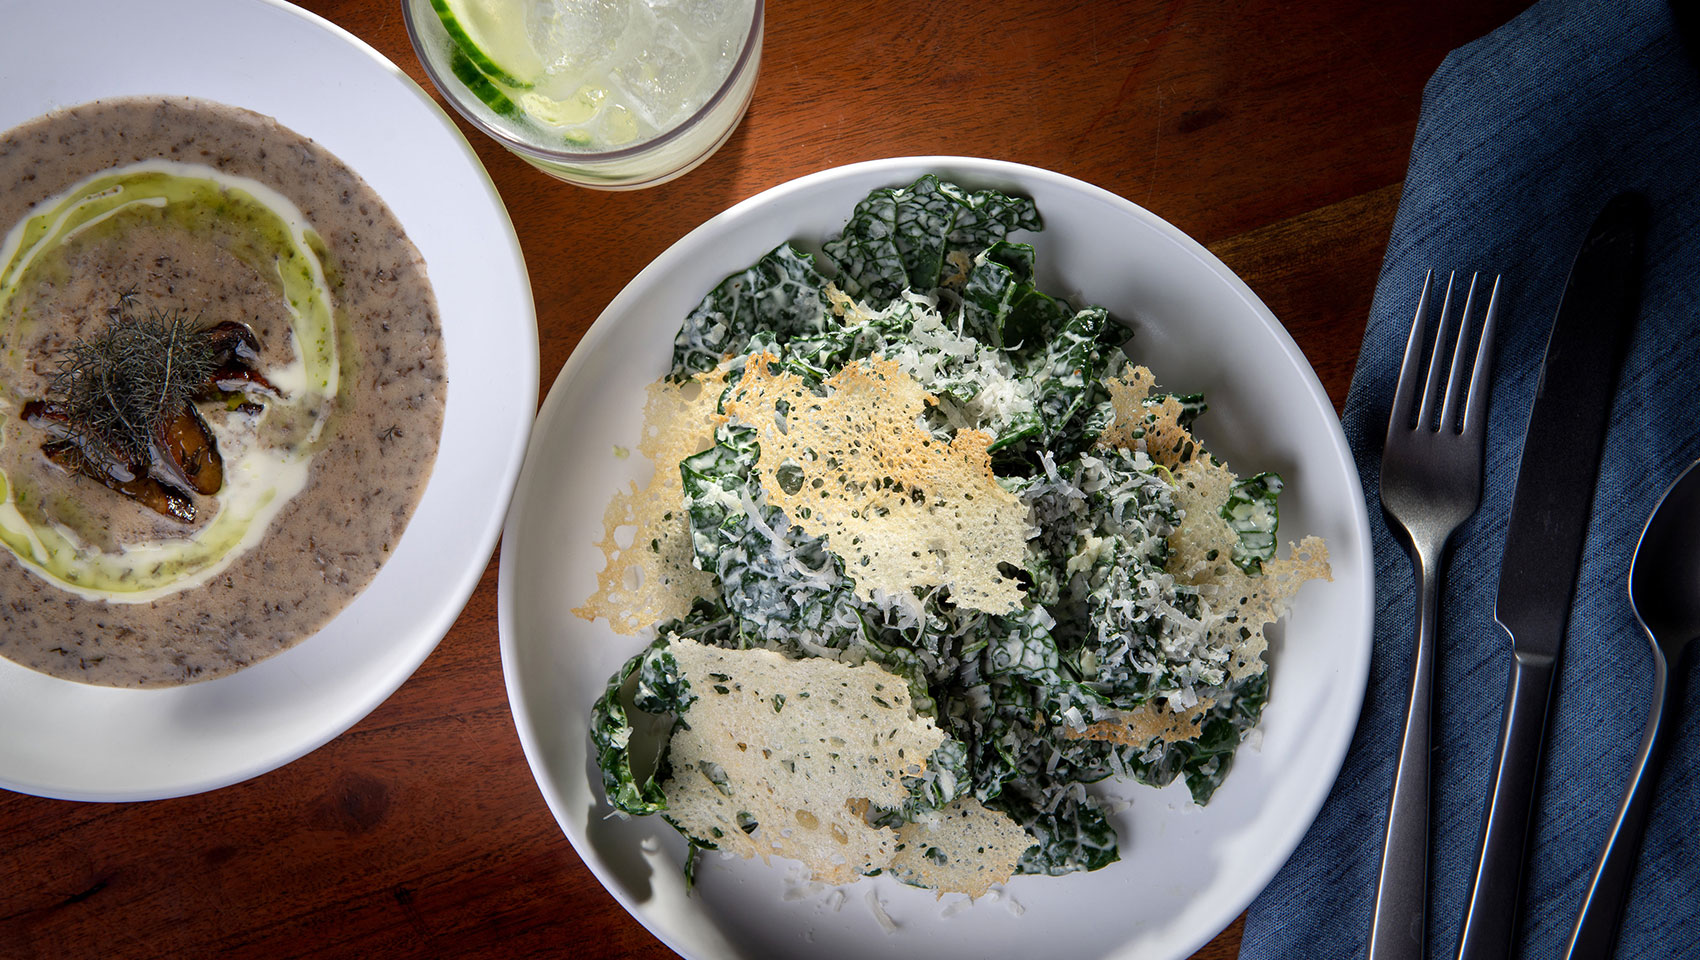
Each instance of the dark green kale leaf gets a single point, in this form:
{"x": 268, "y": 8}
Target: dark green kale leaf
{"x": 1251, "y": 513}
{"x": 661, "y": 688}
{"x": 781, "y": 293}
{"x": 1205, "y": 761}
{"x": 870, "y": 263}
{"x": 894, "y": 654}
{"x": 1099, "y": 558}
{"x": 1091, "y": 418}
{"x": 898, "y": 238}
{"x": 708, "y": 622}
{"x": 788, "y": 591}
{"x": 611, "y": 731}
{"x": 818, "y": 356}
{"x": 987, "y": 216}
{"x": 1021, "y": 764}
{"x": 1019, "y": 646}
{"x": 1074, "y": 835}
{"x": 1002, "y": 694}
{"x": 1074, "y": 360}
{"x": 1071, "y": 407}
{"x": 1002, "y": 306}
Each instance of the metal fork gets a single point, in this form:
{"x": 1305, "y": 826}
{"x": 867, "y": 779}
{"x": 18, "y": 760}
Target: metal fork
{"x": 1431, "y": 482}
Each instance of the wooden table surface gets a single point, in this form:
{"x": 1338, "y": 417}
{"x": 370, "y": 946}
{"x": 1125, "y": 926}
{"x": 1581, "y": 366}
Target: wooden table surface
{"x": 1274, "y": 133}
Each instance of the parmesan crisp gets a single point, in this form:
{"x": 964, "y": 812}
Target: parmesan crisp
{"x": 655, "y": 578}
{"x": 799, "y": 747}
{"x": 964, "y": 847}
{"x": 1147, "y": 722}
{"x": 901, "y": 508}
{"x": 1238, "y": 606}
{"x": 781, "y": 757}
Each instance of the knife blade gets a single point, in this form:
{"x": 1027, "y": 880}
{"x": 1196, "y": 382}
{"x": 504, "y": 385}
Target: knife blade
{"x": 1543, "y": 544}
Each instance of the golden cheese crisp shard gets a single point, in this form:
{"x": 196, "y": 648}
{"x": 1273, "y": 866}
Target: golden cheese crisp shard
{"x": 1154, "y": 428}
{"x": 799, "y": 748}
{"x": 655, "y": 578}
{"x": 963, "y": 847}
{"x": 846, "y": 308}
{"x": 1238, "y": 606}
{"x": 901, "y": 508}
{"x": 1151, "y": 720}
{"x": 1202, "y": 547}
{"x": 1241, "y": 606}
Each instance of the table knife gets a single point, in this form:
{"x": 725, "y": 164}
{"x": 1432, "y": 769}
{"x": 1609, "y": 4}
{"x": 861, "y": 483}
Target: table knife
{"x": 1543, "y": 545}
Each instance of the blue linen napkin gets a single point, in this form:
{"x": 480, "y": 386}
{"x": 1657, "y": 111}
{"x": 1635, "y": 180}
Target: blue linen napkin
{"x": 1524, "y": 135}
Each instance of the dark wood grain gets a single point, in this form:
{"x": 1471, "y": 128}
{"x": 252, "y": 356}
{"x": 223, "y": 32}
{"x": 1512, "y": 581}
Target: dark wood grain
{"x": 1275, "y": 133}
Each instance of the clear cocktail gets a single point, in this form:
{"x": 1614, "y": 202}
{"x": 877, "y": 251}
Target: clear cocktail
{"x": 616, "y": 94}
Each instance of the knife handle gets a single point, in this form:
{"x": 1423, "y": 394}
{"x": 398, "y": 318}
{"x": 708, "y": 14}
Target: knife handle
{"x": 1490, "y": 921}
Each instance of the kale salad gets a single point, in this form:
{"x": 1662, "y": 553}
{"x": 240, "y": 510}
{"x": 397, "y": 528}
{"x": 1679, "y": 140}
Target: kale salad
{"x": 900, "y": 456}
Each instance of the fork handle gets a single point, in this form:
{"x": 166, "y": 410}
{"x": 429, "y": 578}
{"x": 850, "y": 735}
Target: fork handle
{"x": 1490, "y": 922}
{"x": 1399, "y": 924}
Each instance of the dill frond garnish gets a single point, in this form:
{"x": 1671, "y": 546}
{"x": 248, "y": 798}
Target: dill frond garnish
{"x": 122, "y": 386}
{"x": 121, "y": 408}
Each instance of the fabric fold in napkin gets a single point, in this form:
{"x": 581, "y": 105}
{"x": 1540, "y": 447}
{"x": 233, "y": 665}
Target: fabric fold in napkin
{"x": 1524, "y": 135}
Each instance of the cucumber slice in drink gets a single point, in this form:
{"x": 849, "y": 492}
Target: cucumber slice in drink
{"x": 482, "y": 86}
{"x": 492, "y": 35}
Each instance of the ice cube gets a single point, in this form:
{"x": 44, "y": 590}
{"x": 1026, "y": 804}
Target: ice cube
{"x": 665, "y": 80}
{"x": 716, "y": 26}
{"x": 614, "y": 126}
{"x": 573, "y": 37}
{"x": 697, "y": 17}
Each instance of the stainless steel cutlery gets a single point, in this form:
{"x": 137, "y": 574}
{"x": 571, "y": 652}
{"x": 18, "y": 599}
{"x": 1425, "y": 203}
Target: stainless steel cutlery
{"x": 1431, "y": 482}
{"x": 1550, "y": 507}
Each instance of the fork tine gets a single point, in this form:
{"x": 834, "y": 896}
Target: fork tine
{"x": 1475, "y": 408}
{"x": 1431, "y": 390}
{"x": 1462, "y": 352}
{"x": 1403, "y": 394}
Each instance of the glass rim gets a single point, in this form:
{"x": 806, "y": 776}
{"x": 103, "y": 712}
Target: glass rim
{"x": 549, "y": 154}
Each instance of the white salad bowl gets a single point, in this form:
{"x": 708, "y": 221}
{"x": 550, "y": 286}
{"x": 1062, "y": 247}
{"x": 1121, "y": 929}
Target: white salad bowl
{"x": 75, "y": 741}
{"x": 1185, "y": 871}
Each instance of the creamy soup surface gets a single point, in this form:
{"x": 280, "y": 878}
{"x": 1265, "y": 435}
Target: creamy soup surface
{"x": 360, "y": 468}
